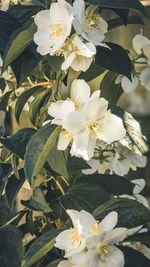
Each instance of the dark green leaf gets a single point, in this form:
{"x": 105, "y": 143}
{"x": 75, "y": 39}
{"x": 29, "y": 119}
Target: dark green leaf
{"x": 8, "y": 25}
{"x": 37, "y": 104}
{"x": 76, "y": 164}
{"x": 22, "y": 12}
{"x": 18, "y": 42}
{"x": 78, "y": 197}
{"x": 134, "y": 257}
{"x": 22, "y": 99}
{"x": 37, "y": 202}
{"x": 38, "y": 149}
{"x": 117, "y": 22}
{"x": 4, "y": 100}
{"x": 2, "y": 84}
{"x": 112, "y": 184}
{"x": 144, "y": 238}
{"x": 121, "y": 4}
{"x": 112, "y": 59}
{"x": 144, "y": 121}
{"x": 13, "y": 186}
{"x": 17, "y": 142}
{"x": 130, "y": 212}
{"x": 40, "y": 247}
{"x": 11, "y": 247}
{"x": 109, "y": 89}
{"x": 92, "y": 72}
{"x": 25, "y": 63}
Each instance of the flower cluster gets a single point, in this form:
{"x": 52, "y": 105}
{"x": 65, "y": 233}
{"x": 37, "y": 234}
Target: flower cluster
{"x": 53, "y": 33}
{"x": 90, "y": 243}
{"x": 114, "y": 158}
{"x": 85, "y": 119}
{"x": 141, "y": 71}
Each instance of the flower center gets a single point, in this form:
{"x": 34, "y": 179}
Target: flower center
{"x": 96, "y": 228}
{"x": 91, "y": 22}
{"x": 93, "y": 127}
{"x": 74, "y": 234}
{"x": 68, "y": 134}
{"x": 104, "y": 251}
{"x": 57, "y": 30}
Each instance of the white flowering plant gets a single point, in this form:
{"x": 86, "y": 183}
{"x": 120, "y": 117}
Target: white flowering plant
{"x": 67, "y": 193}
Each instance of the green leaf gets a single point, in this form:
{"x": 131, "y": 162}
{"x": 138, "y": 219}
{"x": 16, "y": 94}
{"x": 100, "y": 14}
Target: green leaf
{"x": 112, "y": 59}
{"x": 13, "y": 186}
{"x": 22, "y": 99}
{"x": 121, "y": 4}
{"x": 130, "y": 212}
{"x": 4, "y": 100}
{"x": 18, "y": 41}
{"x": 23, "y": 65}
{"x": 92, "y": 72}
{"x": 37, "y": 103}
{"x": 37, "y": 202}
{"x": 144, "y": 123}
{"x": 109, "y": 89}
{"x": 144, "y": 238}
{"x": 38, "y": 149}
{"x": 40, "y": 247}
{"x": 76, "y": 164}
{"x": 57, "y": 160}
{"x": 2, "y": 84}
{"x": 117, "y": 22}
{"x": 17, "y": 142}
{"x": 11, "y": 246}
{"x": 134, "y": 257}
{"x": 54, "y": 263}
{"x": 112, "y": 184}
{"x": 2, "y": 122}
{"x": 78, "y": 197}
{"x": 55, "y": 62}
{"x": 134, "y": 139}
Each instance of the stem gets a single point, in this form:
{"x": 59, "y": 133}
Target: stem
{"x": 59, "y": 186}
{"x": 49, "y": 83}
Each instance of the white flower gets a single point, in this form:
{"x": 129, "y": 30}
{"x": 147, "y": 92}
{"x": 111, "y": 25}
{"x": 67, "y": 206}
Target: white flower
{"x": 100, "y": 249}
{"x": 127, "y": 85}
{"x": 4, "y": 5}
{"x": 85, "y": 120}
{"x": 89, "y": 24}
{"x": 68, "y": 263}
{"x": 78, "y": 55}
{"x": 54, "y": 26}
{"x": 141, "y": 45}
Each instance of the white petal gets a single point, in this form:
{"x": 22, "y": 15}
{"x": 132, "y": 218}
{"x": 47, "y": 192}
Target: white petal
{"x": 63, "y": 141}
{"x": 74, "y": 122}
{"x": 144, "y": 78}
{"x": 116, "y": 235}
{"x": 139, "y": 41}
{"x": 68, "y": 61}
{"x": 54, "y": 108}
{"x": 96, "y": 109}
{"x": 137, "y": 160}
{"x": 112, "y": 129}
{"x": 95, "y": 94}
{"x": 110, "y": 221}
{"x": 42, "y": 18}
{"x": 139, "y": 185}
{"x": 94, "y": 166}
{"x": 80, "y": 90}
{"x": 146, "y": 50}
{"x": 74, "y": 215}
{"x": 120, "y": 167}
{"x": 81, "y": 63}
{"x": 116, "y": 258}
{"x": 79, "y": 10}
{"x": 127, "y": 85}
{"x": 83, "y": 145}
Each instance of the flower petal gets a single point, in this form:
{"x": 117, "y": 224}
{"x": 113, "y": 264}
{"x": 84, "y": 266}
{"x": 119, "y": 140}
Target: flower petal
{"x": 68, "y": 61}
{"x": 112, "y": 129}
{"x": 80, "y": 90}
{"x": 139, "y": 185}
{"x": 139, "y": 41}
{"x": 63, "y": 141}
{"x": 79, "y": 10}
{"x": 110, "y": 221}
{"x": 127, "y": 85}
{"x": 144, "y": 78}
{"x": 116, "y": 235}
{"x": 116, "y": 258}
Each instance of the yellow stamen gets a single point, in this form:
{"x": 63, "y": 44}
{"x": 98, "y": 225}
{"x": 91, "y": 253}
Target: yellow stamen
{"x": 74, "y": 234}
{"x": 91, "y": 22}
{"x": 96, "y": 228}
{"x": 57, "y": 30}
